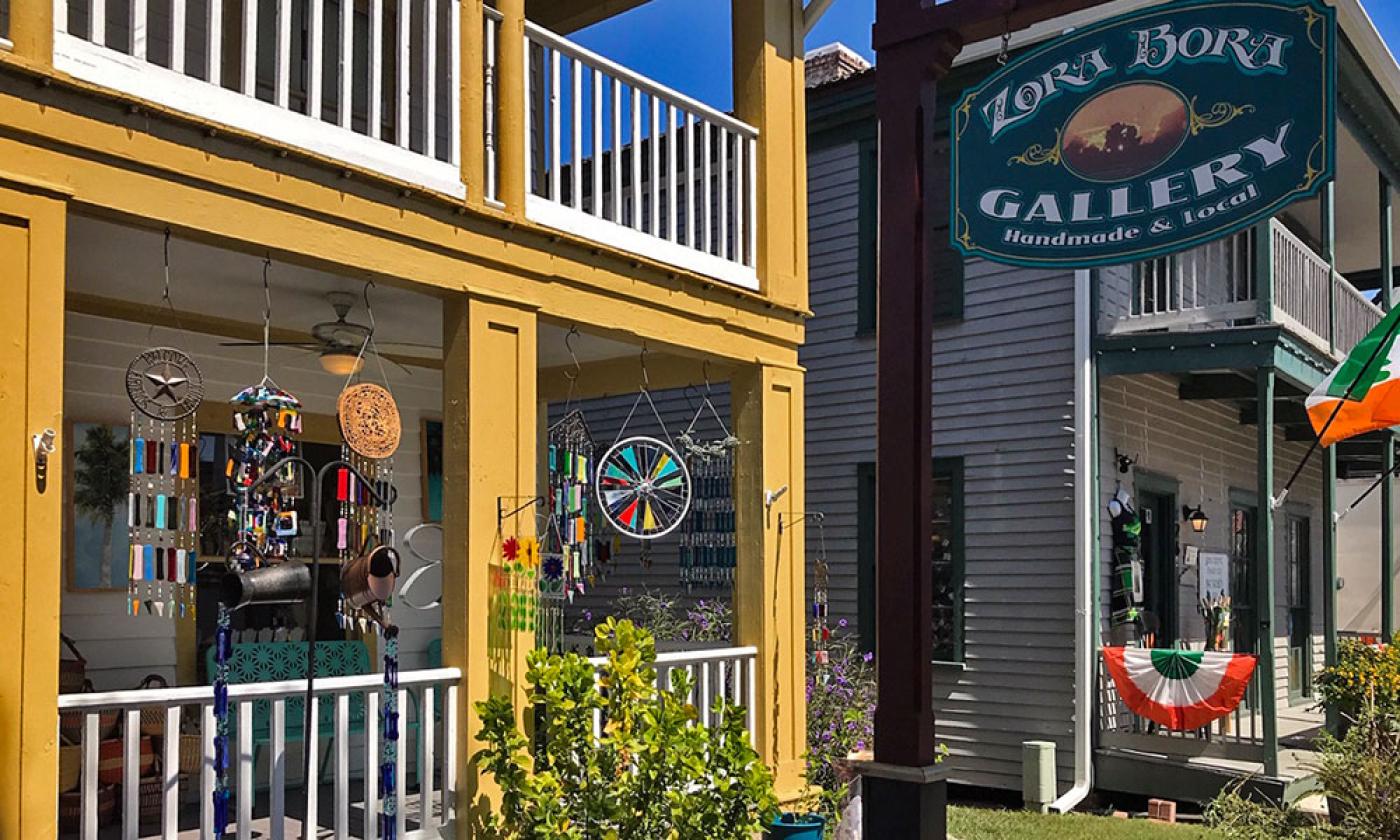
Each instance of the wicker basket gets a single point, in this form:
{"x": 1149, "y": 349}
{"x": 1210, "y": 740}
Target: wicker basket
{"x": 191, "y": 754}
{"x": 72, "y": 673}
{"x": 70, "y": 808}
{"x": 70, "y": 724}
{"x": 110, "y": 763}
{"x": 153, "y": 717}
{"x": 149, "y": 796}
{"x": 70, "y": 767}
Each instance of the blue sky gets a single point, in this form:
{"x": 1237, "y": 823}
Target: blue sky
{"x": 684, "y": 44}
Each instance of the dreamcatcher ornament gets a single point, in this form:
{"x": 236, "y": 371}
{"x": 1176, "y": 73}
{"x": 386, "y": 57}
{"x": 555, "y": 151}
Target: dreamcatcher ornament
{"x": 1179, "y": 689}
{"x": 708, "y": 549}
{"x": 642, "y": 484}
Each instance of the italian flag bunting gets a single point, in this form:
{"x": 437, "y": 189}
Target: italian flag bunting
{"x": 1363, "y": 392}
{"x": 1180, "y": 689}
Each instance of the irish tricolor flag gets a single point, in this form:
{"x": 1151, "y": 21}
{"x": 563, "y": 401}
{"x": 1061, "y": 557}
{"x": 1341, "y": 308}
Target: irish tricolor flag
{"x": 1180, "y": 689}
{"x": 1363, "y": 393}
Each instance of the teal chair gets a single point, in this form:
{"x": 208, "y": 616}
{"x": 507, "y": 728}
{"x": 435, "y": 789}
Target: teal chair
{"x": 435, "y": 653}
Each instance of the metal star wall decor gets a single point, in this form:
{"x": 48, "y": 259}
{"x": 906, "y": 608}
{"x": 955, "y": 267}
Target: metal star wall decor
{"x": 164, "y": 383}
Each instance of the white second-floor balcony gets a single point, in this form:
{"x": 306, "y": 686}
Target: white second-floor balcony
{"x": 1220, "y": 285}
{"x": 377, "y": 86}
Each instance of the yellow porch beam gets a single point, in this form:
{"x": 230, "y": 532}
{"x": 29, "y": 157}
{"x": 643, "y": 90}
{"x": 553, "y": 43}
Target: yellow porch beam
{"x": 511, "y": 184}
{"x": 32, "y": 231}
{"x": 769, "y": 603}
{"x": 770, "y": 94}
{"x": 117, "y": 170}
{"x": 489, "y": 439}
{"x": 614, "y": 377}
{"x": 31, "y": 29}
{"x": 471, "y": 81}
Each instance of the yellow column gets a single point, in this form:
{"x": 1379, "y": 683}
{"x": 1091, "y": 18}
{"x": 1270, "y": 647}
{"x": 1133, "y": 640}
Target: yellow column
{"x": 770, "y": 94}
{"x": 31, "y": 29}
{"x": 472, "y": 92}
{"x": 489, "y": 438}
{"x": 31, "y": 400}
{"x": 510, "y": 106}
{"x": 769, "y": 601}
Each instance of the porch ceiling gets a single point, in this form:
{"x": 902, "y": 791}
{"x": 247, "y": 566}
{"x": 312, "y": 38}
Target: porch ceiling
{"x": 122, "y": 264}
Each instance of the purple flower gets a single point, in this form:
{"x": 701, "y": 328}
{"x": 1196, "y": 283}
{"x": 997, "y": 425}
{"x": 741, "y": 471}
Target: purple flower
{"x": 842, "y": 623}
{"x": 868, "y": 657}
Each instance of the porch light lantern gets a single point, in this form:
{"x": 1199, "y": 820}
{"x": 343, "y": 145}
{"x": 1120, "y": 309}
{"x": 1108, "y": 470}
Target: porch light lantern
{"x": 341, "y": 362}
{"x": 1196, "y": 518}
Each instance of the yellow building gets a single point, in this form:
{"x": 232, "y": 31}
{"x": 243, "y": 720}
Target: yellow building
{"x": 499, "y": 185}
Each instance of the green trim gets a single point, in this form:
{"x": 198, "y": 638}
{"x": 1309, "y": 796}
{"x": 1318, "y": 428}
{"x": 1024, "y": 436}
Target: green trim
{"x": 1264, "y": 269}
{"x": 1264, "y": 576}
{"x": 867, "y": 237}
{"x": 951, "y": 469}
{"x": 865, "y": 555}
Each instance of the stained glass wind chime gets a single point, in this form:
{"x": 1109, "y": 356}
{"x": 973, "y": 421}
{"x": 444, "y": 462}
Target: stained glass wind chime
{"x": 708, "y": 551}
{"x": 568, "y": 554}
{"x": 264, "y": 520}
{"x": 165, "y": 388}
{"x": 371, "y": 429}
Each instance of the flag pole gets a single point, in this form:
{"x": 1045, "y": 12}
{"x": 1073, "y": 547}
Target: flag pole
{"x": 1369, "y": 490}
{"x": 1277, "y": 502}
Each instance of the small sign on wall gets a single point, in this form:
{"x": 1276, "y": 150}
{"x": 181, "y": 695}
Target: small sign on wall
{"x": 1214, "y": 575}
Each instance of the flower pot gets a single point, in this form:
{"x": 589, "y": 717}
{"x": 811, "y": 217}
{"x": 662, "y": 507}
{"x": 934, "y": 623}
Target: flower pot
{"x": 790, "y": 826}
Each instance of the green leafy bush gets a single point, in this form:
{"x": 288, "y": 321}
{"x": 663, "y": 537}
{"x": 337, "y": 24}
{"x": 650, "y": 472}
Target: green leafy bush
{"x": 1235, "y": 817}
{"x": 1361, "y": 775}
{"x": 659, "y": 613}
{"x": 654, "y": 772}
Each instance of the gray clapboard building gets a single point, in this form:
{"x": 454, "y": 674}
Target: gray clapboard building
{"x": 1056, "y": 391}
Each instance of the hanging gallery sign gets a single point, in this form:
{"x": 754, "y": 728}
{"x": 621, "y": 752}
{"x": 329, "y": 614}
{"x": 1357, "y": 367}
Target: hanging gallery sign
{"x": 1146, "y": 134}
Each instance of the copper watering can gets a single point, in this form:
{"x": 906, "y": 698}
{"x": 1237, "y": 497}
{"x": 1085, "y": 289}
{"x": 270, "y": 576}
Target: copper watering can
{"x": 370, "y": 578}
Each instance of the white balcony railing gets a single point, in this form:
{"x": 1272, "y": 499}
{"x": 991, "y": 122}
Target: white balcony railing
{"x": 434, "y": 722}
{"x": 617, "y": 158}
{"x": 1216, "y": 285}
{"x": 371, "y": 83}
{"x": 714, "y": 673}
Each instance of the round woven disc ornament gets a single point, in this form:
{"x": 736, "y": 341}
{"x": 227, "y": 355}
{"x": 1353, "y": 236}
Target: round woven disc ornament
{"x": 369, "y": 420}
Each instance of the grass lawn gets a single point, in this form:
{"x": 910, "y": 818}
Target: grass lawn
{"x": 988, "y": 824}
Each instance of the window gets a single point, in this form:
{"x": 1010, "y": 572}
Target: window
{"x": 948, "y": 559}
{"x": 867, "y": 237}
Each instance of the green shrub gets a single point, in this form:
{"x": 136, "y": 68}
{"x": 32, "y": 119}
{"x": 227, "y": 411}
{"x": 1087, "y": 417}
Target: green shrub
{"x": 1363, "y": 673}
{"x": 1361, "y": 773}
{"x": 1235, "y": 817}
{"x": 654, "y": 773}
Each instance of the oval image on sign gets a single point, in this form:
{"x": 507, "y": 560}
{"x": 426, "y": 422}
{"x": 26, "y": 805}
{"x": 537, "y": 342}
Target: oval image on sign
{"x": 1146, "y": 134}
{"x": 1124, "y": 132}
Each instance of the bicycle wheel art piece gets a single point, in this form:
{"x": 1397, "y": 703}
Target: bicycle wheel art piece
{"x": 644, "y": 487}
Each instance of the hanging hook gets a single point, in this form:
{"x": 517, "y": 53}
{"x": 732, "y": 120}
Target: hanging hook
{"x": 267, "y": 318}
{"x": 572, "y": 376}
{"x": 1005, "y": 54}
{"x": 705, "y": 372}
{"x": 646, "y": 380}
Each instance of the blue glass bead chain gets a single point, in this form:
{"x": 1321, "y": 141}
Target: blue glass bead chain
{"x": 389, "y": 743}
{"x": 223, "y": 643}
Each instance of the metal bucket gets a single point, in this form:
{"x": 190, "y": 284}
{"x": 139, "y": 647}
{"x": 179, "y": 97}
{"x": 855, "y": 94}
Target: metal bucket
{"x": 285, "y": 583}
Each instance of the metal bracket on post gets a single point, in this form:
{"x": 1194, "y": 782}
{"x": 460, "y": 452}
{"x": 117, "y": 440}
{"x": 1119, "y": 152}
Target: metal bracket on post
{"x": 502, "y": 514}
{"x": 801, "y": 516}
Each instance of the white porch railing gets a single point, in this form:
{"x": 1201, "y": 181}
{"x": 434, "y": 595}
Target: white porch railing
{"x": 1217, "y": 285}
{"x": 319, "y": 80}
{"x": 430, "y": 689}
{"x": 720, "y": 672}
{"x": 491, "y": 38}
{"x": 1238, "y": 736}
{"x": 618, "y": 158}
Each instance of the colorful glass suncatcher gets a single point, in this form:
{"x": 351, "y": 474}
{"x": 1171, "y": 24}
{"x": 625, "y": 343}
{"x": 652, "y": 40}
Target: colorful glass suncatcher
{"x": 515, "y": 587}
{"x": 223, "y": 726}
{"x": 362, "y": 523}
{"x": 389, "y": 738}
{"x": 265, "y": 518}
{"x": 165, "y": 388}
{"x": 644, "y": 488}
{"x": 708, "y": 554}
{"x": 568, "y": 557}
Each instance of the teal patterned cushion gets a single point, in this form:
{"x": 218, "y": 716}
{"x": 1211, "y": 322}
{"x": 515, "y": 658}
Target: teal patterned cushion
{"x": 252, "y": 662}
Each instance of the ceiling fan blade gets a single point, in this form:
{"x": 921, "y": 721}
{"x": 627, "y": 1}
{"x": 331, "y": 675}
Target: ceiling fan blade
{"x": 407, "y": 348}
{"x": 392, "y": 362}
{"x": 305, "y": 345}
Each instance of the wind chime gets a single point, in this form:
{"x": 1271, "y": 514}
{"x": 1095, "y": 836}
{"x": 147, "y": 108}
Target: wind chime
{"x": 371, "y": 429}
{"x": 708, "y": 551}
{"x": 165, "y": 388}
{"x": 264, "y": 521}
{"x": 821, "y": 583}
{"x": 567, "y": 551}
{"x": 642, "y": 484}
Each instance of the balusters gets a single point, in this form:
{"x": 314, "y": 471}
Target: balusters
{"x": 375, "y": 125}
{"x": 249, "y": 64}
{"x": 597, "y": 203}
{"x": 670, "y": 130}
{"x": 575, "y": 135}
{"x": 277, "y": 767}
{"x": 429, "y": 83}
{"x": 636, "y": 97}
{"x": 346, "y": 52}
{"x": 449, "y": 771}
{"x": 311, "y": 743}
{"x": 91, "y": 741}
{"x": 246, "y": 791}
{"x": 131, "y": 772}
{"x": 454, "y": 99}
{"x": 426, "y": 762}
{"x": 371, "y": 785}
{"x": 490, "y": 99}
{"x": 170, "y": 767}
{"x": 177, "y": 32}
{"x": 401, "y": 71}
{"x": 342, "y": 766}
{"x": 283, "y": 76}
{"x": 654, "y": 169}
{"x": 617, "y": 152}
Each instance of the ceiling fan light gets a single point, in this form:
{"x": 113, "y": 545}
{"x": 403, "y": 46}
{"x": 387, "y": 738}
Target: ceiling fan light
{"x": 341, "y": 362}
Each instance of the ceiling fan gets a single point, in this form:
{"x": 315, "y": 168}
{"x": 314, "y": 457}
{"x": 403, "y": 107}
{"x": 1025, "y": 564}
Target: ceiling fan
{"x": 338, "y": 343}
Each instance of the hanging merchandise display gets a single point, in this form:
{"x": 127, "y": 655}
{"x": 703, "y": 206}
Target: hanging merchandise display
{"x": 162, "y": 512}
{"x": 165, "y": 388}
{"x": 369, "y": 420}
{"x": 1127, "y": 588}
{"x": 515, "y": 589}
{"x": 1179, "y": 689}
{"x": 708, "y": 552}
{"x": 642, "y": 485}
{"x": 567, "y": 552}
{"x": 821, "y": 582}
